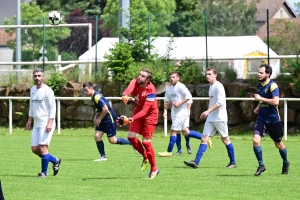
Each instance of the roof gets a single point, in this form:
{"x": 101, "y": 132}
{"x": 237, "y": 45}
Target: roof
{"x": 278, "y": 27}
{"x": 273, "y": 6}
{"x": 4, "y": 37}
{"x": 192, "y": 47}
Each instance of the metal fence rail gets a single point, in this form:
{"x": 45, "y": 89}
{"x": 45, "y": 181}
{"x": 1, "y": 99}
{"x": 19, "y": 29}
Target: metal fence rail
{"x": 58, "y": 99}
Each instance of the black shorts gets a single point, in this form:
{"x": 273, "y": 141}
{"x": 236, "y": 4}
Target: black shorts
{"x": 275, "y": 130}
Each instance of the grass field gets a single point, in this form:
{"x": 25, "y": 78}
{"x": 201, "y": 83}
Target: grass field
{"x": 120, "y": 176}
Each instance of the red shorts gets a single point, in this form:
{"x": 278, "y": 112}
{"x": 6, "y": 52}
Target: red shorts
{"x": 143, "y": 128}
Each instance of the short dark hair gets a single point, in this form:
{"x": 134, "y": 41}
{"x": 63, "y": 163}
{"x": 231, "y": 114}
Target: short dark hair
{"x": 174, "y": 72}
{"x": 212, "y": 69}
{"x": 268, "y": 68}
{"x": 149, "y": 73}
{"x": 88, "y": 84}
{"x": 38, "y": 70}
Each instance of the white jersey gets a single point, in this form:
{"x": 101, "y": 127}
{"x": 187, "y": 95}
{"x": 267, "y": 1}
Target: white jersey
{"x": 177, "y": 93}
{"x": 217, "y": 96}
{"x": 42, "y": 105}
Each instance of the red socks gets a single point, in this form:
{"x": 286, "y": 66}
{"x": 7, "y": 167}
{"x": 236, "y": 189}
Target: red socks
{"x": 137, "y": 145}
{"x": 151, "y": 156}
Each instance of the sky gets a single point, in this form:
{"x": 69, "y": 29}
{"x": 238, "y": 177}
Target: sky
{"x": 292, "y": 2}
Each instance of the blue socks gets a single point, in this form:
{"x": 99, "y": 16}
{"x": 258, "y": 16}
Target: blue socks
{"x": 195, "y": 134}
{"x": 178, "y": 142}
{"x": 283, "y": 154}
{"x": 45, "y": 161}
{"x": 171, "y": 143}
{"x": 123, "y": 141}
{"x": 100, "y": 146}
{"x": 258, "y": 154}
{"x": 201, "y": 151}
{"x": 230, "y": 151}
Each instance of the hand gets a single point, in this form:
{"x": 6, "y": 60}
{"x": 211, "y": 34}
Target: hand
{"x": 257, "y": 97}
{"x": 49, "y": 126}
{"x": 97, "y": 122}
{"x": 176, "y": 104}
{"x": 28, "y": 125}
{"x": 256, "y": 110}
{"x": 165, "y": 115}
{"x": 127, "y": 99}
{"x": 166, "y": 105}
{"x": 204, "y": 114}
{"x": 123, "y": 120}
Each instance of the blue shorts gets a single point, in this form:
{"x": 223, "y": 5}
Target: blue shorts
{"x": 109, "y": 128}
{"x": 275, "y": 130}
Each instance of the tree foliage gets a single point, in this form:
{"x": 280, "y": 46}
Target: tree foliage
{"x": 230, "y": 17}
{"x": 89, "y": 8}
{"x": 78, "y": 40}
{"x": 188, "y": 19}
{"x": 161, "y": 12}
{"x": 32, "y": 38}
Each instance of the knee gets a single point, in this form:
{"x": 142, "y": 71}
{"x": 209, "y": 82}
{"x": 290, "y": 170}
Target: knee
{"x": 226, "y": 140}
{"x": 112, "y": 140}
{"x": 279, "y": 145}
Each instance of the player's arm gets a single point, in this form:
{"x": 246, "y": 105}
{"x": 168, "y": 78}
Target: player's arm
{"x": 187, "y": 96}
{"x": 52, "y": 109}
{"x": 144, "y": 111}
{"x": 256, "y": 110}
{"x": 274, "y": 101}
{"x": 29, "y": 121}
{"x": 128, "y": 91}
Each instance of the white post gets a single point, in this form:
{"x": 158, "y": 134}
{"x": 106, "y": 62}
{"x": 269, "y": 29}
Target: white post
{"x": 58, "y": 116}
{"x": 90, "y": 47}
{"x": 285, "y": 119}
{"x": 10, "y": 116}
{"x": 166, "y": 126}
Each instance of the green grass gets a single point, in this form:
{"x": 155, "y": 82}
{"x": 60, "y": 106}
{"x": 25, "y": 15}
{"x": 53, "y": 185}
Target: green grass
{"x": 120, "y": 176}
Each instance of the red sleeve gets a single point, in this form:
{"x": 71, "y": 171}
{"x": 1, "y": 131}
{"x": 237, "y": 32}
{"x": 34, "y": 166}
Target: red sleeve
{"x": 144, "y": 111}
{"x": 130, "y": 88}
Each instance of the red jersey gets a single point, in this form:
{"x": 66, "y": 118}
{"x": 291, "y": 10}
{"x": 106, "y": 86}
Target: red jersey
{"x": 146, "y": 106}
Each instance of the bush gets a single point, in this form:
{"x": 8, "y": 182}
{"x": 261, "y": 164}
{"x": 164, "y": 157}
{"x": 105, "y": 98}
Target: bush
{"x": 56, "y": 81}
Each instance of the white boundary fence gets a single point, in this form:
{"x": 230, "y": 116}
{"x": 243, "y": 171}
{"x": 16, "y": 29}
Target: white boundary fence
{"x": 10, "y": 98}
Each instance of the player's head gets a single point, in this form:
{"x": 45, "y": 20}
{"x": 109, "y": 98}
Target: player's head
{"x": 174, "y": 77}
{"x": 264, "y": 72}
{"x": 38, "y": 77}
{"x": 88, "y": 88}
{"x": 145, "y": 76}
{"x": 211, "y": 75}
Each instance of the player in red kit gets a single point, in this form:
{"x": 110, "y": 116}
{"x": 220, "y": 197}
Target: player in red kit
{"x": 144, "y": 119}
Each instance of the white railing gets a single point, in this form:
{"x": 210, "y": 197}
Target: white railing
{"x": 10, "y": 98}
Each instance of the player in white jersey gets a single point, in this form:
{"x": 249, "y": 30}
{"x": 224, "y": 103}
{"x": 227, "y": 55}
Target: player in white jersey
{"x": 181, "y": 99}
{"x": 216, "y": 115}
{"x": 42, "y": 110}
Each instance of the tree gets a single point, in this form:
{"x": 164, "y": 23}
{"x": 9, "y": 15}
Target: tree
{"x": 188, "y": 19}
{"x": 78, "y": 40}
{"x": 230, "y": 17}
{"x": 161, "y": 13}
{"x": 32, "y": 38}
{"x": 89, "y": 8}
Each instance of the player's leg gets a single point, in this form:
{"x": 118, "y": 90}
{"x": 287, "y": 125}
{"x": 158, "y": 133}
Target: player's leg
{"x": 178, "y": 144}
{"x": 276, "y": 133}
{"x": 148, "y": 131}
{"x": 134, "y": 129}
{"x": 111, "y": 130}
{"x": 209, "y": 131}
{"x": 172, "y": 142}
{"x": 44, "y": 141}
{"x": 99, "y": 143}
{"x": 35, "y": 142}
{"x": 222, "y": 128}
{"x": 258, "y": 133}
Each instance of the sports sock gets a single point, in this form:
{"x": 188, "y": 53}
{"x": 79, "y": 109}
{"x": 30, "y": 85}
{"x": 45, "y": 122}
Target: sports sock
{"x": 45, "y": 162}
{"x": 151, "y": 156}
{"x": 171, "y": 143}
{"x": 123, "y": 141}
{"x": 230, "y": 151}
{"x": 283, "y": 154}
{"x": 201, "y": 151}
{"x": 137, "y": 145}
{"x": 52, "y": 159}
{"x": 195, "y": 134}
{"x": 1, "y": 192}
{"x": 187, "y": 141}
{"x": 178, "y": 142}
{"x": 100, "y": 146}
{"x": 258, "y": 154}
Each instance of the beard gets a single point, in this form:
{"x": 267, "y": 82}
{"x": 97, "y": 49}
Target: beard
{"x": 263, "y": 79}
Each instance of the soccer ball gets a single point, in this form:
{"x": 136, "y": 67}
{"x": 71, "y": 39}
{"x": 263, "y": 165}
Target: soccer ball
{"x": 54, "y": 17}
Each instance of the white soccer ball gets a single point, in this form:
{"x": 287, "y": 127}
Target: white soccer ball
{"x": 54, "y": 17}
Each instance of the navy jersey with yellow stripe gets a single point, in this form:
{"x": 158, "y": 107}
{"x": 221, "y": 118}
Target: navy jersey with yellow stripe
{"x": 99, "y": 101}
{"x": 268, "y": 113}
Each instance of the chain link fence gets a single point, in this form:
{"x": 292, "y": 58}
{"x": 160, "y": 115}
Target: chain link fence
{"x": 222, "y": 32}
